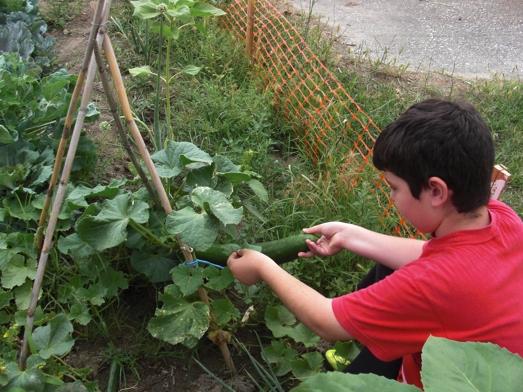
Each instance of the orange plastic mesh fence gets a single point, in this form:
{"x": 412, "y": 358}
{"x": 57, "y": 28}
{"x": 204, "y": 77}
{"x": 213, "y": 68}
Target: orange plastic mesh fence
{"x": 335, "y": 131}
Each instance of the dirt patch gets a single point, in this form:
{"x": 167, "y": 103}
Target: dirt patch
{"x": 71, "y": 43}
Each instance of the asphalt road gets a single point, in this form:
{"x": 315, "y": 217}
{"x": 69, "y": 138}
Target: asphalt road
{"x": 469, "y": 38}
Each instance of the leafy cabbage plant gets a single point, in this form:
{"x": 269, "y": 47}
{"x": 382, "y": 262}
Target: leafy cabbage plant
{"x": 24, "y": 32}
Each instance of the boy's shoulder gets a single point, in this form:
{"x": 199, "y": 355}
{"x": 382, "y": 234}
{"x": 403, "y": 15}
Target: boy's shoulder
{"x": 497, "y": 207}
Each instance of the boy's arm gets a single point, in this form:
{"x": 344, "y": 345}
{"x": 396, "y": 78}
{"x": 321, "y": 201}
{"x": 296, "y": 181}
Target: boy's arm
{"x": 393, "y": 252}
{"x": 310, "y": 307}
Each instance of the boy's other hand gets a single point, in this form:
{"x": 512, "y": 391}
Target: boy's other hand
{"x": 330, "y": 242}
{"x": 246, "y": 265}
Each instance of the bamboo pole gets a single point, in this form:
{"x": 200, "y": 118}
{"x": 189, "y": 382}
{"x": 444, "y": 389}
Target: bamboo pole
{"x": 164, "y": 199}
{"x": 113, "y": 105}
{"x": 97, "y": 20}
{"x": 249, "y": 35}
{"x": 114, "y": 70}
{"x": 55, "y": 210}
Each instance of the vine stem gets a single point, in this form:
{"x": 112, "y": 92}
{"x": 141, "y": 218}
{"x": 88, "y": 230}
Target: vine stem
{"x": 156, "y": 125}
{"x": 99, "y": 18}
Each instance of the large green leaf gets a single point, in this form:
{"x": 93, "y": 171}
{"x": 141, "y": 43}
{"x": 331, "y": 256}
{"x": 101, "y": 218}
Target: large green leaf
{"x": 144, "y": 70}
{"x": 102, "y": 235}
{"x": 122, "y": 207}
{"x": 307, "y": 365}
{"x": 217, "y": 203}
{"x": 23, "y": 295}
{"x": 282, "y": 323}
{"x": 171, "y": 161}
{"x": 178, "y": 11}
{"x": 224, "y": 311}
{"x": 79, "y": 195}
{"x": 344, "y": 382}
{"x": 20, "y": 210}
{"x": 226, "y": 168}
{"x": 191, "y": 70}
{"x": 146, "y": 9}
{"x": 29, "y": 380}
{"x": 17, "y": 271}
{"x": 188, "y": 279}
{"x": 461, "y": 367}
{"x": 109, "y": 227}
{"x": 218, "y": 279}
{"x": 279, "y": 356}
{"x": 279, "y": 320}
{"x": 113, "y": 281}
{"x": 198, "y": 230}
{"x": 205, "y": 9}
{"x": 5, "y": 298}
{"x": 95, "y": 293}
{"x": 73, "y": 245}
{"x": 156, "y": 267}
{"x": 55, "y": 338}
{"x": 79, "y": 313}
{"x": 180, "y": 322}
{"x": 302, "y": 334}
{"x": 258, "y": 189}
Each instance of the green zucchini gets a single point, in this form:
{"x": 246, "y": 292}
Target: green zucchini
{"x": 281, "y": 251}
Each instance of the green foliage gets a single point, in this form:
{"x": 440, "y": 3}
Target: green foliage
{"x": 55, "y": 338}
{"x": 283, "y": 323}
{"x": 447, "y": 366}
{"x": 58, "y": 13}
{"x": 23, "y": 31}
{"x": 452, "y": 366}
{"x": 501, "y": 104}
{"x": 179, "y": 321}
{"x": 168, "y": 19}
{"x": 32, "y": 104}
{"x": 108, "y": 228}
{"x": 183, "y": 318}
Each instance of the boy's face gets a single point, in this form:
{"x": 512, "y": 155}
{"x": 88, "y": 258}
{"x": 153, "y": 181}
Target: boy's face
{"x": 418, "y": 212}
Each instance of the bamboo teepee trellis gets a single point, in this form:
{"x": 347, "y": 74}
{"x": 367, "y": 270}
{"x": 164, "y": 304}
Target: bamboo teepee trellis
{"x": 98, "y": 42}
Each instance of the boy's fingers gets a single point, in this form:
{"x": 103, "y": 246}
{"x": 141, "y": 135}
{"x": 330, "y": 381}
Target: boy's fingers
{"x": 305, "y": 254}
{"x": 313, "y": 229}
{"x": 314, "y": 248}
{"x": 235, "y": 255}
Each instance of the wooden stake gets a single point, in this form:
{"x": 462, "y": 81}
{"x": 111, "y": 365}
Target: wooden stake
{"x": 113, "y": 105}
{"x": 114, "y": 70}
{"x": 249, "y": 35}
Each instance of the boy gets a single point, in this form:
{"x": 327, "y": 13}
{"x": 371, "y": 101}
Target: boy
{"x": 465, "y": 283}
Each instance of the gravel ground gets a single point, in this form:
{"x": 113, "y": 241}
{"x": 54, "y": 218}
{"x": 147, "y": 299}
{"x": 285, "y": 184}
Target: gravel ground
{"x": 471, "y": 39}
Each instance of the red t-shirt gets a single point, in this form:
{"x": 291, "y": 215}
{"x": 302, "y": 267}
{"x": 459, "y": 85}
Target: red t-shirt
{"x": 466, "y": 286}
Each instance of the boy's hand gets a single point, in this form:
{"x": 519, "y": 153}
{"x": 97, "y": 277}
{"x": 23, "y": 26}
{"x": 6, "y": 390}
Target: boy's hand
{"x": 246, "y": 265}
{"x": 332, "y": 238}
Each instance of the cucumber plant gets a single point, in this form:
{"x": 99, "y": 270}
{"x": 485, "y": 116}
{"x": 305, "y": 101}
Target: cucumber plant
{"x": 168, "y": 18}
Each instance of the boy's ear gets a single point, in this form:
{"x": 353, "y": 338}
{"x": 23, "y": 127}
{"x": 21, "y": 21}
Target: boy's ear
{"x": 439, "y": 191}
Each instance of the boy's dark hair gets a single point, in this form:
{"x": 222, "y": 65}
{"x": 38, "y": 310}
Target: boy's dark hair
{"x": 442, "y": 139}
